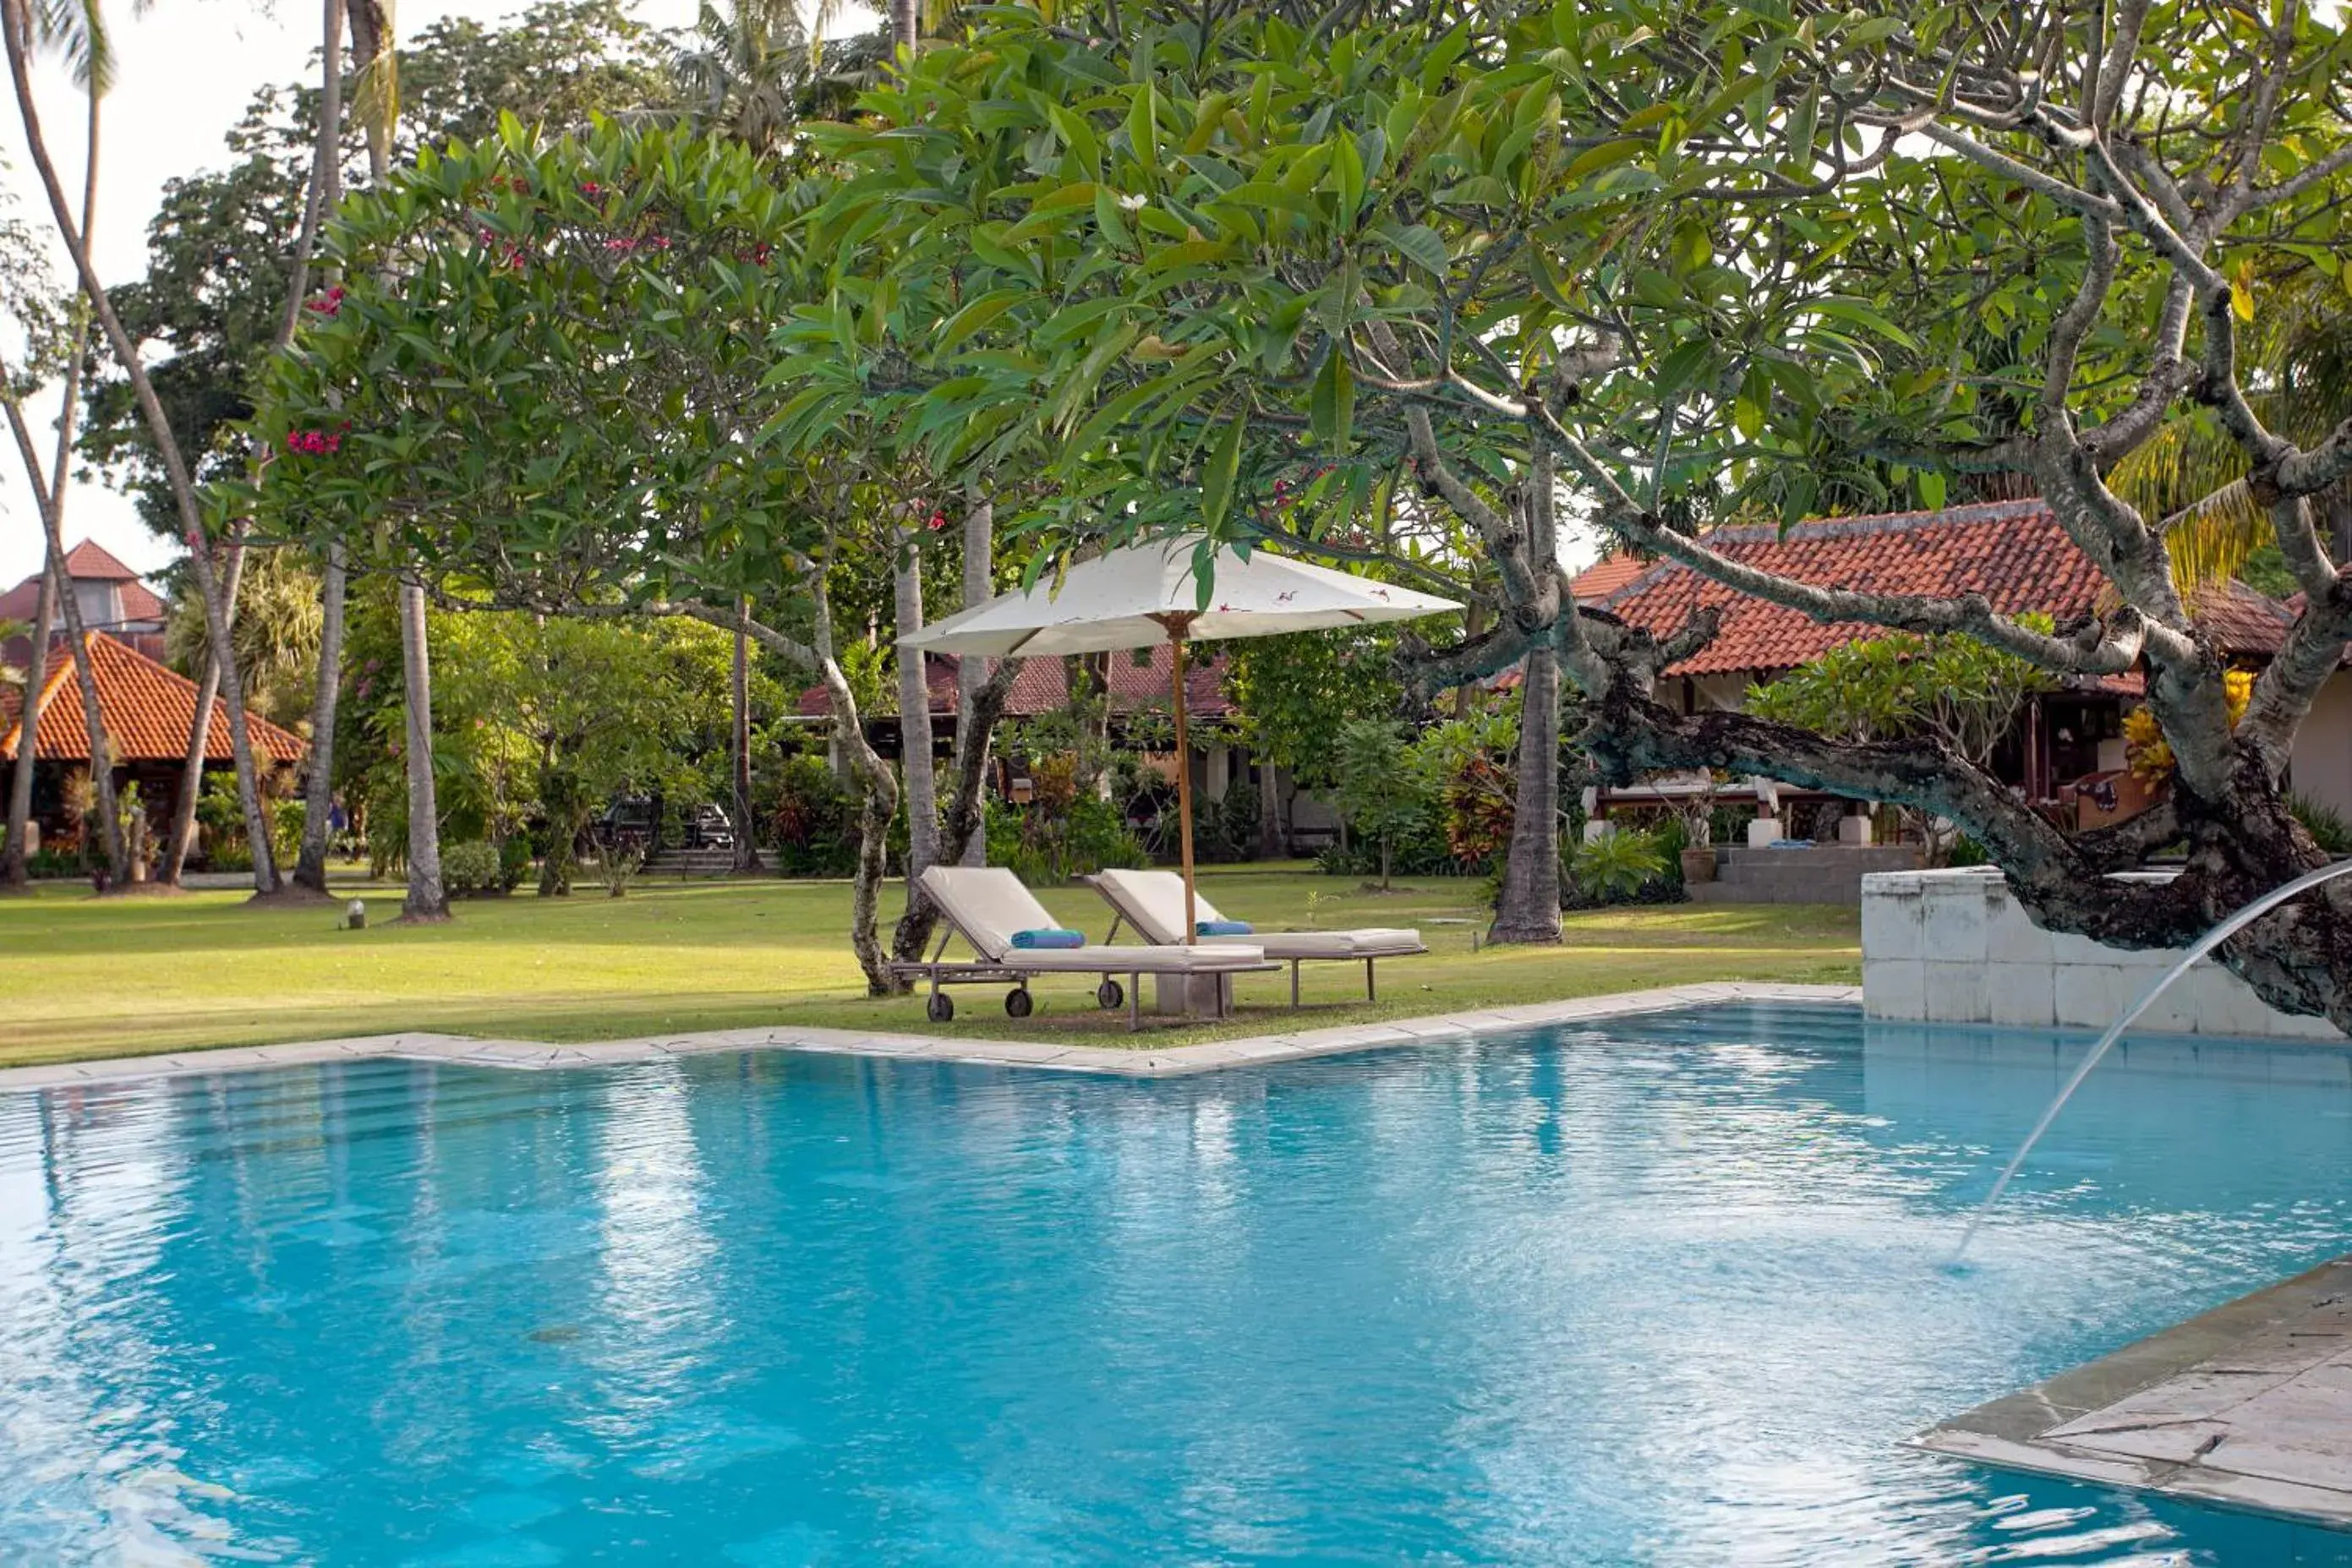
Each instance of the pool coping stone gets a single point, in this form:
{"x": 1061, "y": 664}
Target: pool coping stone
{"x": 1137, "y": 1061}
{"x": 2246, "y": 1406}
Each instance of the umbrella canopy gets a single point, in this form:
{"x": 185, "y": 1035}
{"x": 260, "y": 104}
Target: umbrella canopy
{"x": 1148, "y": 594}
{"x": 1127, "y": 599}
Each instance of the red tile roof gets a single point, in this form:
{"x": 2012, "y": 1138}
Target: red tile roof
{"x": 149, "y": 711}
{"x": 89, "y": 558}
{"x": 1042, "y": 686}
{"x": 2012, "y": 552}
{"x": 1607, "y": 575}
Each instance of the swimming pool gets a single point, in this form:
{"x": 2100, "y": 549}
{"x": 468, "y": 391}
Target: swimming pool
{"x": 1668, "y": 1289}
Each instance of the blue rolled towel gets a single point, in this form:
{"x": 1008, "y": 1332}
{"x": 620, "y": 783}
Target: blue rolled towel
{"x": 1222, "y": 928}
{"x": 1050, "y": 937}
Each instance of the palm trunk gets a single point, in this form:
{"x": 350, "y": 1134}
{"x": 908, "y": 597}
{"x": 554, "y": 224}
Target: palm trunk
{"x": 426, "y": 901}
{"x": 182, "y": 837}
{"x": 318, "y": 792}
{"x": 17, "y": 33}
{"x": 101, "y": 750}
{"x": 326, "y": 167}
{"x": 1528, "y": 909}
{"x": 14, "y": 869}
{"x": 747, "y": 849}
{"x": 914, "y": 762}
{"x": 974, "y": 729}
{"x": 1269, "y": 811}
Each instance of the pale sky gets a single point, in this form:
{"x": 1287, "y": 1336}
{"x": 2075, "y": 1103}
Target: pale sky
{"x": 186, "y": 70}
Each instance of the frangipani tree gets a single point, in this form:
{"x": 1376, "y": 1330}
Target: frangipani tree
{"x": 1666, "y": 264}
{"x": 547, "y": 380}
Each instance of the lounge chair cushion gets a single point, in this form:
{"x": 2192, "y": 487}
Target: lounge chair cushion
{"x": 1153, "y": 902}
{"x": 1371, "y": 941}
{"x": 987, "y": 904}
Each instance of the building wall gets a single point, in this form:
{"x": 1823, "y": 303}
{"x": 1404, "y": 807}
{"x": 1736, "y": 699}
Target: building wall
{"x": 1953, "y": 946}
{"x": 2322, "y": 768}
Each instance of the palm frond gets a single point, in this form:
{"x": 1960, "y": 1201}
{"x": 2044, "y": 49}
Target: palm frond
{"x": 77, "y": 31}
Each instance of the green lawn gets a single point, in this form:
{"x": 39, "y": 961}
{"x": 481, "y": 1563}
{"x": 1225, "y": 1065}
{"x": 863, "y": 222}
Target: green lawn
{"x": 83, "y": 976}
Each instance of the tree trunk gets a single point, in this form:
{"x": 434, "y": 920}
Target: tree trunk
{"x": 14, "y": 870}
{"x": 965, "y": 830}
{"x": 326, "y": 169}
{"x": 914, "y": 761}
{"x": 1269, "y": 811}
{"x": 747, "y": 850}
{"x": 972, "y": 736}
{"x": 1527, "y": 910}
{"x": 181, "y": 835}
{"x": 16, "y": 34}
{"x": 318, "y": 792}
{"x": 101, "y": 750}
{"x": 426, "y": 901}
{"x": 906, "y": 24}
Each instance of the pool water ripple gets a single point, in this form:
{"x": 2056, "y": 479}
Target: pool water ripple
{"x": 1666, "y": 1290}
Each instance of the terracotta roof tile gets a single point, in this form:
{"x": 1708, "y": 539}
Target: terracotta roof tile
{"x": 1607, "y": 575}
{"x": 2012, "y": 552}
{"x": 1041, "y": 688}
{"x": 147, "y": 710}
{"x": 91, "y": 560}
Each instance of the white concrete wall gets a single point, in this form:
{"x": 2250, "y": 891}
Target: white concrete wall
{"x": 1953, "y": 946}
{"x": 2321, "y": 769}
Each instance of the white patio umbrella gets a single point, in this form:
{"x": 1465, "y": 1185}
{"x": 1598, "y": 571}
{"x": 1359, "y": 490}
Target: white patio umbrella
{"x": 1148, "y": 594}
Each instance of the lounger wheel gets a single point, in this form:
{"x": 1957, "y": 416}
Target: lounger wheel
{"x": 941, "y": 1007}
{"x": 1018, "y": 1004}
{"x": 1110, "y": 994}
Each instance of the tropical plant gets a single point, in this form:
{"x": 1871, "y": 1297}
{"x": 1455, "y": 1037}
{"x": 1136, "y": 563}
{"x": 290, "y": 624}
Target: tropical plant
{"x": 1965, "y": 695}
{"x": 1384, "y": 795}
{"x": 1614, "y": 864}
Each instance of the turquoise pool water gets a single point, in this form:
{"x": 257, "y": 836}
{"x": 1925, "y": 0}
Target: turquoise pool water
{"x": 1667, "y": 1290}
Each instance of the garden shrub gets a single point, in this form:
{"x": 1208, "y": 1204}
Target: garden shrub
{"x": 472, "y": 870}
{"x": 808, "y": 811}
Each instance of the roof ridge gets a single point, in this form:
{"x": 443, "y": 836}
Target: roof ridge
{"x": 114, "y": 570}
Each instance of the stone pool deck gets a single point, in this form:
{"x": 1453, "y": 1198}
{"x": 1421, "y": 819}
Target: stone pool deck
{"x": 1133, "y": 1062}
{"x": 2247, "y": 1407}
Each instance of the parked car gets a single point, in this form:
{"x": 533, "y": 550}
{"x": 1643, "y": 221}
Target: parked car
{"x": 707, "y": 827}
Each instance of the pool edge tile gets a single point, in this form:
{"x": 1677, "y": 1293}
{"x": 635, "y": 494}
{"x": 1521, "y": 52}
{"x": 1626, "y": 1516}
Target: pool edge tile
{"x": 1139, "y": 1061}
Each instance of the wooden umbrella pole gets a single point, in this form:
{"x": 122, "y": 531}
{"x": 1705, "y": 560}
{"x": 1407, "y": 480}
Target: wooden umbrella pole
{"x": 1183, "y": 774}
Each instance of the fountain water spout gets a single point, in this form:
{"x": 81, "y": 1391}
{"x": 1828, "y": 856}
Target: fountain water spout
{"x": 2197, "y": 949}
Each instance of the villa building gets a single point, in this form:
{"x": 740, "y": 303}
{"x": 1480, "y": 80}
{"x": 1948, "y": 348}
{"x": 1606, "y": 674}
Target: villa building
{"x": 149, "y": 710}
{"x": 111, "y": 596}
{"x": 2066, "y": 754}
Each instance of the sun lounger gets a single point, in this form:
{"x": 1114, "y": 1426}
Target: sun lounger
{"x": 987, "y": 906}
{"x": 1152, "y": 902}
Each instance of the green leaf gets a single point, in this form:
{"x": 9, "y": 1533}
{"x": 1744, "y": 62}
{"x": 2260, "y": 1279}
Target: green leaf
{"x": 1217, "y": 478}
{"x": 1331, "y": 407}
{"x": 1142, "y": 130}
{"x": 1419, "y": 244}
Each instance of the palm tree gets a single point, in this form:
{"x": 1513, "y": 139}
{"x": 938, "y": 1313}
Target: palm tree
{"x": 75, "y": 25}
{"x": 80, "y": 34}
{"x": 319, "y": 790}
{"x": 2191, "y": 474}
{"x": 376, "y": 100}
{"x": 746, "y": 67}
